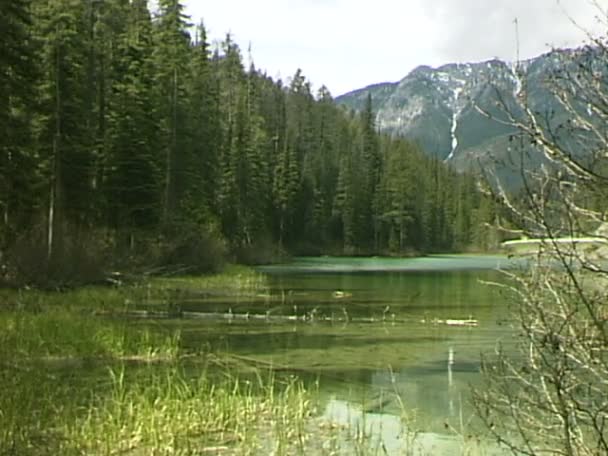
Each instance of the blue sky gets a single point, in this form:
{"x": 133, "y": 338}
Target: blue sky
{"x": 348, "y": 44}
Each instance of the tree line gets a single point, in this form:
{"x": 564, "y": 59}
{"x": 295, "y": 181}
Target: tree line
{"x": 124, "y": 132}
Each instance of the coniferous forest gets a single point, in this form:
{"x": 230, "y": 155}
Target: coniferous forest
{"x": 126, "y": 138}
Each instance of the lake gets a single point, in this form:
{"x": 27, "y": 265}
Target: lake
{"x": 387, "y": 347}
{"x": 380, "y": 336}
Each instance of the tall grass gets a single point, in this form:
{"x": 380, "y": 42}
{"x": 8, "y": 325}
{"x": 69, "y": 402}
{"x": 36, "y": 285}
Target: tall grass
{"x": 171, "y": 414}
{"x": 153, "y": 411}
{"x": 80, "y": 323}
{"x": 63, "y": 334}
{"x": 237, "y": 280}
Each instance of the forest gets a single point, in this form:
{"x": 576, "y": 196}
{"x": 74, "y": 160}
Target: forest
{"x": 127, "y": 139}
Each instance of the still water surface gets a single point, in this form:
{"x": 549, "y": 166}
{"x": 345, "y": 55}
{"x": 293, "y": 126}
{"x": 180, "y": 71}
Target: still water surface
{"x": 375, "y": 336}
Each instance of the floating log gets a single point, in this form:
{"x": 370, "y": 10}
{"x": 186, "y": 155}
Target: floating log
{"x": 467, "y": 322}
{"x": 471, "y": 322}
{"x": 339, "y": 294}
{"x": 309, "y": 317}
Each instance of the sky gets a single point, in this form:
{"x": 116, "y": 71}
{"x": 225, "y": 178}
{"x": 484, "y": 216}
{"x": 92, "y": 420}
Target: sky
{"x": 349, "y": 44}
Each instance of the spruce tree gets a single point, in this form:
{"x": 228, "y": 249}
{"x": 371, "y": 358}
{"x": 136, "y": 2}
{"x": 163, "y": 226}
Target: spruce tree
{"x": 19, "y": 177}
{"x": 172, "y": 52}
{"x": 65, "y": 145}
{"x": 232, "y": 80}
{"x": 203, "y": 126}
{"x": 133, "y": 177}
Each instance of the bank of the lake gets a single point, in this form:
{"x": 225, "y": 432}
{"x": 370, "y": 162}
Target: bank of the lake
{"x": 184, "y": 365}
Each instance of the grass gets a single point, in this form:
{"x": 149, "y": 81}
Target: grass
{"x": 151, "y": 410}
{"x": 169, "y": 413}
{"x": 74, "y": 379}
{"x": 61, "y": 334}
{"x": 81, "y": 323}
{"x": 235, "y": 278}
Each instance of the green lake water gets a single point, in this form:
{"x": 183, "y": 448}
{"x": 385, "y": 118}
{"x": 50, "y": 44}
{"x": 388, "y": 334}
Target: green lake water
{"x": 375, "y": 330}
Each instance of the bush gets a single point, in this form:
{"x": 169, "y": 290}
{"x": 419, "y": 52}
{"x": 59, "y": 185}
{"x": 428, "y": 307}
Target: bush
{"x": 549, "y": 397}
{"x": 263, "y": 251}
{"x": 79, "y": 257}
{"x": 191, "y": 248}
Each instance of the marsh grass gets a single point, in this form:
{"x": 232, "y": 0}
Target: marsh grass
{"x": 86, "y": 322}
{"x": 63, "y": 334}
{"x": 235, "y": 281}
{"x": 156, "y": 411}
{"x": 77, "y": 378}
{"x": 74, "y": 379}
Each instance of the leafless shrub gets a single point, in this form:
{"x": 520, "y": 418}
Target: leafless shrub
{"x": 551, "y": 396}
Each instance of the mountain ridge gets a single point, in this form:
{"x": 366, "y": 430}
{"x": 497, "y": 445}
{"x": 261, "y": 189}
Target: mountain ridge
{"x": 439, "y": 107}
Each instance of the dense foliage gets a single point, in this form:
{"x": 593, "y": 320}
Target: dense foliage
{"x": 124, "y": 135}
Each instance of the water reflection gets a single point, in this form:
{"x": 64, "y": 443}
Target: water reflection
{"x": 414, "y": 353}
{"x": 397, "y": 435}
{"x": 382, "y": 264}
{"x": 376, "y": 335}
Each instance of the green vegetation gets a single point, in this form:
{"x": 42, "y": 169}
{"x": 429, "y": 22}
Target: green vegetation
{"x": 78, "y": 377}
{"x": 80, "y": 322}
{"x": 146, "y": 409}
{"x": 127, "y": 143}
{"x": 75, "y": 381}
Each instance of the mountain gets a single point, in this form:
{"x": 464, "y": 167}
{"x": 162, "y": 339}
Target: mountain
{"x": 438, "y": 107}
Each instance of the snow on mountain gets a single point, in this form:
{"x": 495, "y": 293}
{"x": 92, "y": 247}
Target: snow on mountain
{"x": 439, "y": 108}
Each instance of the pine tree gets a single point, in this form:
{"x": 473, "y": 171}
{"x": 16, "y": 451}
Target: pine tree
{"x": 133, "y": 164}
{"x": 204, "y": 126}
{"x": 65, "y": 144}
{"x": 172, "y": 52}
{"x": 372, "y": 163}
{"x": 396, "y": 205}
{"x": 254, "y": 183}
{"x": 344, "y": 203}
{"x": 323, "y": 166}
{"x": 230, "y": 71}
{"x": 106, "y": 24}
{"x": 18, "y": 164}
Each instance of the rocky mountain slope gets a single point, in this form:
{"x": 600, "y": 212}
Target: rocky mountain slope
{"x": 436, "y": 107}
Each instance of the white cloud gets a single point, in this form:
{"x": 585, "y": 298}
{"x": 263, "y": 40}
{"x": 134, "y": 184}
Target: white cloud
{"x": 477, "y": 29}
{"x": 349, "y": 44}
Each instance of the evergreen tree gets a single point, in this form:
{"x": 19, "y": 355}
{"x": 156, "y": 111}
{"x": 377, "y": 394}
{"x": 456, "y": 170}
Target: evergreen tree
{"x": 111, "y": 118}
{"x": 372, "y": 162}
{"x": 286, "y": 175}
{"x": 65, "y": 144}
{"x": 232, "y": 80}
{"x": 344, "y": 203}
{"x": 204, "y": 126}
{"x": 323, "y": 167}
{"x": 18, "y": 164}
{"x": 133, "y": 159}
{"x": 396, "y": 206}
{"x": 254, "y": 167}
{"x": 172, "y": 53}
